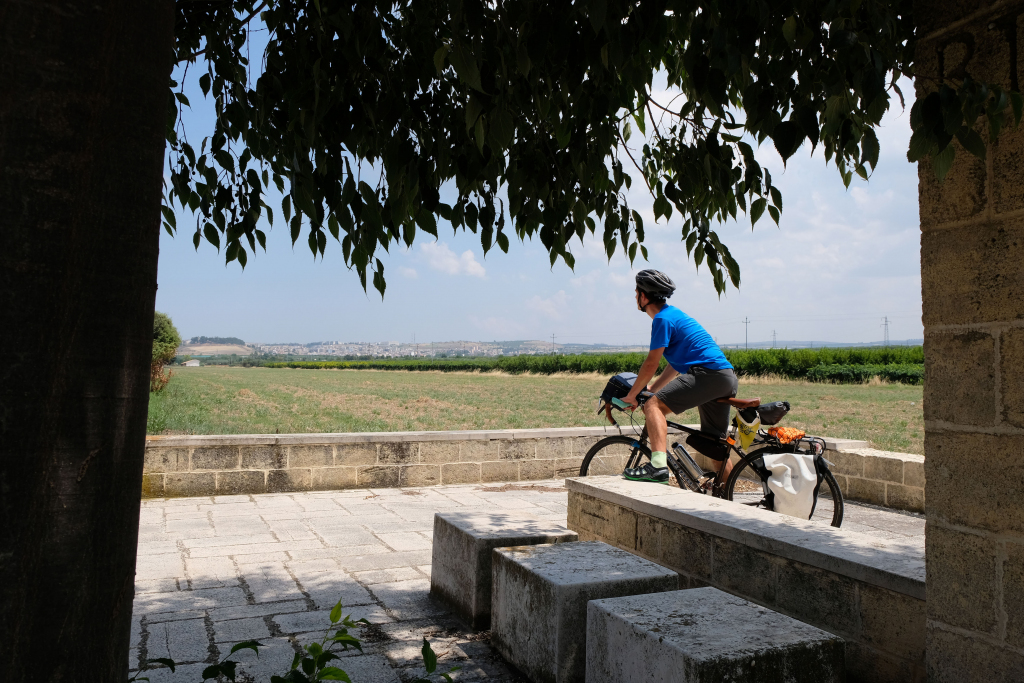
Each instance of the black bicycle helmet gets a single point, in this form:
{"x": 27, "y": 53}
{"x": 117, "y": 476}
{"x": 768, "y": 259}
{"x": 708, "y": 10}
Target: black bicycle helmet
{"x": 655, "y": 284}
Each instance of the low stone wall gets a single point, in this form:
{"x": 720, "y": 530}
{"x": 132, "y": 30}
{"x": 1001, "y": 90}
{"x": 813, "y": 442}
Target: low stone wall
{"x": 893, "y": 480}
{"x": 234, "y": 463}
{"x": 869, "y": 591}
{"x": 270, "y": 463}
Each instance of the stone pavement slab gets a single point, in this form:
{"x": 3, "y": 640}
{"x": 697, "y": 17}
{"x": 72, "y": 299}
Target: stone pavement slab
{"x": 215, "y": 569}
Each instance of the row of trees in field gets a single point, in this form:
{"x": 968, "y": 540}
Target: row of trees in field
{"x": 897, "y": 364}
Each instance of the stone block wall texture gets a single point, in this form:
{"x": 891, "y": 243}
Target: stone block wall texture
{"x": 238, "y": 464}
{"x": 884, "y": 629}
{"x": 972, "y": 281}
{"x": 233, "y": 464}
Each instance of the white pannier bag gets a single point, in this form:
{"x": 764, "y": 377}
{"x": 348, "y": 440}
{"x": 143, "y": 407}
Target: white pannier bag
{"x": 793, "y": 481}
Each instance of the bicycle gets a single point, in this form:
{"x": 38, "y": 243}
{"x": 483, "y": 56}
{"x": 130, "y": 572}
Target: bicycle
{"x": 748, "y": 481}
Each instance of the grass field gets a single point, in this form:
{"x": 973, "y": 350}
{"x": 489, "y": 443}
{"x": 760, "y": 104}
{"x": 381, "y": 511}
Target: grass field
{"x": 223, "y": 400}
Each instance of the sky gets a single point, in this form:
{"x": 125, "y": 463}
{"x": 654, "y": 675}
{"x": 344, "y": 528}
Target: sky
{"x": 840, "y": 261}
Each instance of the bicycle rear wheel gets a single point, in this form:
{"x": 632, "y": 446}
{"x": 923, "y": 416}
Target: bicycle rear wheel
{"x": 748, "y": 484}
{"x": 612, "y": 454}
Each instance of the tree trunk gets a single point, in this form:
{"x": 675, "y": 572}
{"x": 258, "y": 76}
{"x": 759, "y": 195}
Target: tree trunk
{"x": 83, "y": 105}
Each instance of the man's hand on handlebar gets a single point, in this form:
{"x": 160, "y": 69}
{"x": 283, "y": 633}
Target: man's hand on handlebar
{"x": 637, "y": 396}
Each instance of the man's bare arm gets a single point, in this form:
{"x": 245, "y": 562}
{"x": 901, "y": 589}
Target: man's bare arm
{"x": 664, "y": 378}
{"x": 646, "y": 374}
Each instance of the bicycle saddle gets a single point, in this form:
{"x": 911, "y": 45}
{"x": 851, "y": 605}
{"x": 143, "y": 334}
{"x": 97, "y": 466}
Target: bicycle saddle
{"x": 740, "y": 403}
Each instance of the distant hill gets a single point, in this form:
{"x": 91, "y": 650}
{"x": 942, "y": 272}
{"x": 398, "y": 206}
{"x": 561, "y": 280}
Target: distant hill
{"x": 211, "y": 349}
{"x": 233, "y": 341}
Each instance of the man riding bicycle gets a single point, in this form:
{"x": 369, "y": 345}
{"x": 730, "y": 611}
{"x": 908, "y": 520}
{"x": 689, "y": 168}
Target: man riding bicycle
{"x": 697, "y": 374}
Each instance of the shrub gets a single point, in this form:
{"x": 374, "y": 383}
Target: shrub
{"x": 166, "y": 341}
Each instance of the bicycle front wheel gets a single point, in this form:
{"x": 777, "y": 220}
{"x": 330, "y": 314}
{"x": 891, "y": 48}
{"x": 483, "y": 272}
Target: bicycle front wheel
{"x": 612, "y": 454}
{"x": 748, "y": 484}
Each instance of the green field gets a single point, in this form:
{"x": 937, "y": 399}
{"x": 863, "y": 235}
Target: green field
{"x": 222, "y": 400}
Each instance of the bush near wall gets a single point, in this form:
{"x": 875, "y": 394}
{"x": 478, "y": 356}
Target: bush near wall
{"x": 899, "y": 364}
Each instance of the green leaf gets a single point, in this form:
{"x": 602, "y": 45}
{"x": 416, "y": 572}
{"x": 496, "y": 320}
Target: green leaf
{"x": 212, "y": 236}
{"x": 439, "y": 58}
{"x": 335, "y": 615}
{"x": 789, "y": 30}
{"x": 501, "y": 128}
{"x": 921, "y": 145}
{"x": 466, "y": 67}
{"x": 971, "y": 141}
{"x": 181, "y": 98}
{"x": 427, "y": 222}
{"x": 204, "y": 84}
{"x": 308, "y": 666}
{"x": 378, "y": 279}
{"x": 757, "y": 209}
{"x": 523, "y": 62}
{"x": 942, "y": 161}
{"x": 1017, "y": 102}
{"x": 169, "y": 663}
{"x": 870, "y": 147}
{"x": 429, "y": 658}
{"x": 480, "y": 134}
{"x": 502, "y": 241}
{"x": 473, "y": 110}
{"x": 776, "y": 196}
{"x": 774, "y": 213}
{"x": 333, "y": 673}
{"x": 247, "y": 645}
{"x": 211, "y": 671}
{"x": 787, "y": 137}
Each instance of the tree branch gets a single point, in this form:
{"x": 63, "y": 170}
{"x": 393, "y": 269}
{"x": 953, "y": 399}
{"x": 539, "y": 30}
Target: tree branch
{"x": 642, "y": 174}
{"x": 246, "y": 20}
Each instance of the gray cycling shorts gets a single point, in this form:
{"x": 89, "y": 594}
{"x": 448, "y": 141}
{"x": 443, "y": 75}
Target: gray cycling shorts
{"x": 698, "y": 389}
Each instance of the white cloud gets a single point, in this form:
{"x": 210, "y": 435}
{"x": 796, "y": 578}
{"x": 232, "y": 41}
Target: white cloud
{"x": 440, "y": 257}
{"x": 408, "y": 272}
{"x": 551, "y": 307}
{"x": 604, "y": 279}
{"x": 497, "y": 327}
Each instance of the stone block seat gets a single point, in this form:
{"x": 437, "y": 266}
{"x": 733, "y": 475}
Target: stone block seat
{"x": 539, "y": 602}
{"x": 866, "y": 588}
{"x": 703, "y": 635}
{"x": 460, "y": 570}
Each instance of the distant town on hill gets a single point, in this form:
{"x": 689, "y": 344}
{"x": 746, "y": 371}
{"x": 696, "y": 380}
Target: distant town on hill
{"x": 220, "y": 346}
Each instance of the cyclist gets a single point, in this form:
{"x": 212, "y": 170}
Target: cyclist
{"x": 697, "y": 374}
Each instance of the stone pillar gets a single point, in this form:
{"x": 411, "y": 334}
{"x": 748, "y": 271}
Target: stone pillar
{"x": 972, "y": 281}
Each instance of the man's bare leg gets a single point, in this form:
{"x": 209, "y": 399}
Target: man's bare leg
{"x": 657, "y": 424}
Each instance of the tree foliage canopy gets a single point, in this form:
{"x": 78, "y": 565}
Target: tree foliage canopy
{"x": 166, "y": 339}
{"x": 359, "y": 113}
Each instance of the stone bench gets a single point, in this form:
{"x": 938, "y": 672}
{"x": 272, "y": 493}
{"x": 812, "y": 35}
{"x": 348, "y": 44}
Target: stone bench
{"x": 703, "y": 635}
{"x": 539, "y": 602}
{"x": 865, "y": 588}
{"x": 460, "y": 568}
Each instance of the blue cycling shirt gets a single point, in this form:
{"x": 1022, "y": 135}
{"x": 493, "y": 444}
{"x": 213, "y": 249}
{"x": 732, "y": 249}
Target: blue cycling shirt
{"x": 686, "y": 343}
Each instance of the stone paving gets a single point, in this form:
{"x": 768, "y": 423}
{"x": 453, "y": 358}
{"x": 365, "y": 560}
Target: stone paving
{"x": 214, "y": 571}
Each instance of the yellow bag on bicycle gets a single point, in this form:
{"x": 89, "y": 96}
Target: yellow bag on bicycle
{"x": 746, "y": 426}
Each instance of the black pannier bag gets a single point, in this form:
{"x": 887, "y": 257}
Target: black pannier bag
{"x": 617, "y": 387}
{"x": 772, "y": 413}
